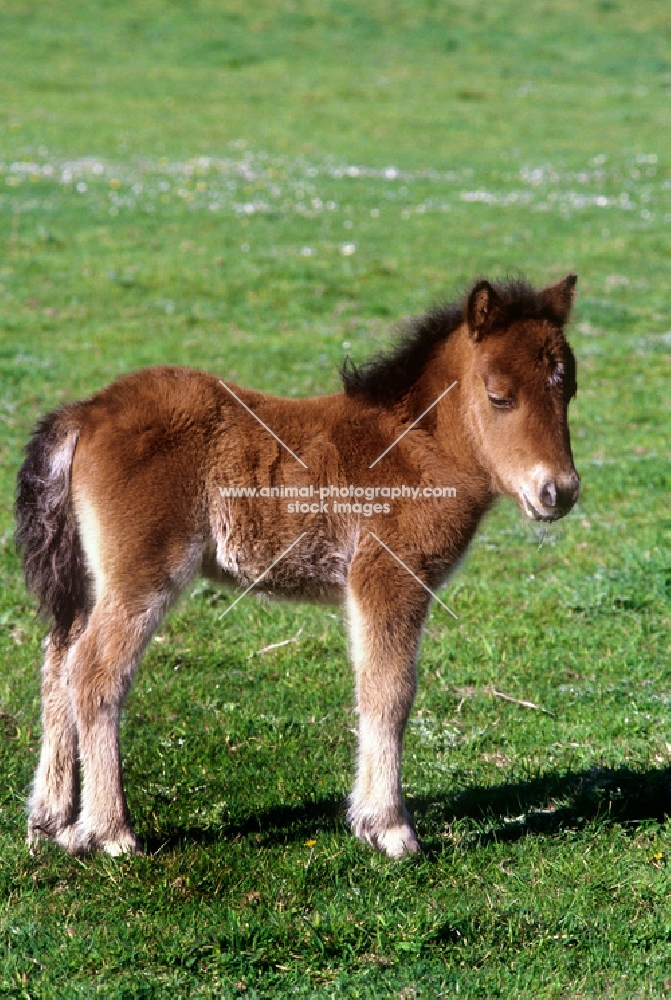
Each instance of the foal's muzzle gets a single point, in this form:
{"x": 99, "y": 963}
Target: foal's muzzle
{"x": 556, "y": 497}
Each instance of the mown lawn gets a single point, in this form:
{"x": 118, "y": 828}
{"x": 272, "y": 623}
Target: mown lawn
{"x": 259, "y": 190}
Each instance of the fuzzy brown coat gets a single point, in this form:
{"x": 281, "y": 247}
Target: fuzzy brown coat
{"x": 121, "y": 502}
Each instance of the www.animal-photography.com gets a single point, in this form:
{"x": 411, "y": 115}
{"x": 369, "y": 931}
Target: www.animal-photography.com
{"x": 334, "y": 531}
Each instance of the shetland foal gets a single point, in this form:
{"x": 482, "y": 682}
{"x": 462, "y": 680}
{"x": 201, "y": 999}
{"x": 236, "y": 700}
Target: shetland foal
{"x": 125, "y": 497}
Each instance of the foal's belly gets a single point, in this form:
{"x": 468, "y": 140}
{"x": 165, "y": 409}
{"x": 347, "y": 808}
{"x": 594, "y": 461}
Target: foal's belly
{"x": 300, "y": 569}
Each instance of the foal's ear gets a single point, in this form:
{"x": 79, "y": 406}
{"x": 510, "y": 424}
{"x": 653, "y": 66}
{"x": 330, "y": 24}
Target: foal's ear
{"x": 559, "y": 298}
{"x": 481, "y": 309}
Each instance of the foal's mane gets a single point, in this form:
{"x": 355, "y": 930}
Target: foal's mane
{"x": 389, "y": 375}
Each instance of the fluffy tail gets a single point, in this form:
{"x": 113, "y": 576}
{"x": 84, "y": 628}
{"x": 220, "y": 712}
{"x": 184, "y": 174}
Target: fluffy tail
{"x": 46, "y": 529}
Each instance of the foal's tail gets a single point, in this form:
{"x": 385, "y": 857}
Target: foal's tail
{"x": 46, "y": 528}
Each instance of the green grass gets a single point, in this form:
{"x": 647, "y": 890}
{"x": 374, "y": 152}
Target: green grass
{"x": 178, "y": 183}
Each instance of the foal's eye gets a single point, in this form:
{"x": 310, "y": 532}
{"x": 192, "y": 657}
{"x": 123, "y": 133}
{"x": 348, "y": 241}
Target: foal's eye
{"x": 500, "y": 402}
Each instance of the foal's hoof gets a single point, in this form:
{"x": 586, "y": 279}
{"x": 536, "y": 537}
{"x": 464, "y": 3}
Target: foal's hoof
{"x": 36, "y": 836}
{"x": 76, "y": 839}
{"x": 43, "y": 827}
{"x": 394, "y": 841}
{"x": 125, "y": 844}
{"x": 397, "y": 842}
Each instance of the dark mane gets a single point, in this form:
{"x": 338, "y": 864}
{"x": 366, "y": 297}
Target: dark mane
{"x": 388, "y": 376}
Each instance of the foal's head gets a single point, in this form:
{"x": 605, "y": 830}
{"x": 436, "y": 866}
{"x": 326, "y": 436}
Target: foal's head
{"x": 519, "y": 382}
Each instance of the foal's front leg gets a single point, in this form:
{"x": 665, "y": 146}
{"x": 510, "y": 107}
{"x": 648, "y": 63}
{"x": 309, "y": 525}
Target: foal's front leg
{"x": 385, "y": 616}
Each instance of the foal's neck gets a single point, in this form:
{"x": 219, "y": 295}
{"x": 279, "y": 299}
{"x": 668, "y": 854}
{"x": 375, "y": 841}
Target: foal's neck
{"x": 450, "y": 367}
{"x": 441, "y": 386}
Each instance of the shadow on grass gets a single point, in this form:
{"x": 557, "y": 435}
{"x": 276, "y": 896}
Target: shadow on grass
{"x": 548, "y": 804}
{"x": 544, "y": 805}
{"x": 276, "y": 825}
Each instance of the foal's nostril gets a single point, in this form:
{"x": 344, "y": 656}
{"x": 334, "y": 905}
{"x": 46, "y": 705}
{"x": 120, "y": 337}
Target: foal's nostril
{"x": 560, "y": 493}
{"x": 567, "y": 489}
{"x": 548, "y": 493}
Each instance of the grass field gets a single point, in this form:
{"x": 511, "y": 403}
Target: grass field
{"x": 259, "y": 190}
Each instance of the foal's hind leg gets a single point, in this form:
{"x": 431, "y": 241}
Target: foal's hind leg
{"x": 54, "y": 801}
{"x": 385, "y": 624}
{"x": 100, "y": 668}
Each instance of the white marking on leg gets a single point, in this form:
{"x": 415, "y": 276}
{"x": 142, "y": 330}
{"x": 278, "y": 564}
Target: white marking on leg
{"x": 377, "y": 812}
